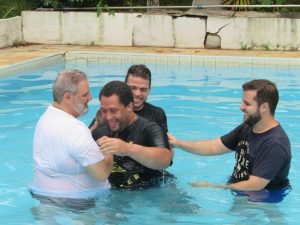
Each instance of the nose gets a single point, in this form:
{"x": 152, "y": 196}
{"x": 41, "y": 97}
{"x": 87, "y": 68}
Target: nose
{"x": 107, "y": 116}
{"x": 90, "y": 97}
{"x": 137, "y": 92}
{"x": 242, "y": 106}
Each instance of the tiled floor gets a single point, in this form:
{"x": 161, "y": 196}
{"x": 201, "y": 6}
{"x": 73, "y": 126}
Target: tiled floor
{"x": 9, "y": 56}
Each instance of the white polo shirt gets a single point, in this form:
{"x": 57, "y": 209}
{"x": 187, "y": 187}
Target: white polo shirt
{"x": 63, "y": 146}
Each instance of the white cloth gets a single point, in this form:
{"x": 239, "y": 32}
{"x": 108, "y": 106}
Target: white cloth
{"x": 63, "y": 146}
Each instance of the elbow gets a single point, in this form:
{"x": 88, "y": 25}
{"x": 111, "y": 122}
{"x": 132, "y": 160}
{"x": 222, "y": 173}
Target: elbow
{"x": 104, "y": 175}
{"x": 101, "y": 170}
{"x": 166, "y": 160}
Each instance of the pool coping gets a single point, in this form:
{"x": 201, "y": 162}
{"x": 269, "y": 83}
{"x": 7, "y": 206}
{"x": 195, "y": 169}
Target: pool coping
{"x": 32, "y": 64}
{"x": 148, "y": 58}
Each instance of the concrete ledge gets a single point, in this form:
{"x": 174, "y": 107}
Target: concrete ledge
{"x": 185, "y": 28}
{"x": 154, "y": 30}
{"x": 136, "y": 29}
{"x": 10, "y": 32}
{"x": 32, "y": 64}
{"x": 41, "y": 27}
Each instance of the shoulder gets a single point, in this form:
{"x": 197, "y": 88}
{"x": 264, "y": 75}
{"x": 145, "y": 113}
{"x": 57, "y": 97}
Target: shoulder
{"x": 147, "y": 124}
{"x": 100, "y": 132}
{"x": 151, "y": 107}
{"x": 156, "y": 113}
{"x": 277, "y": 136}
{"x": 231, "y": 139}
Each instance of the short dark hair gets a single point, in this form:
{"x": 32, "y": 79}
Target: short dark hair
{"x": 139, "y": 70}
{"x": 266, "y": 91}
{"x": 118, "y": 88}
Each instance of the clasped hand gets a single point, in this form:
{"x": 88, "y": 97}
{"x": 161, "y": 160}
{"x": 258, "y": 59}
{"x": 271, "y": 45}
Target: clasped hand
{"x": 113, "y": 146}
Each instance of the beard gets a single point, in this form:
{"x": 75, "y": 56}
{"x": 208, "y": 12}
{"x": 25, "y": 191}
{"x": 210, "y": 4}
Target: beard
{"x": 253, "y": 119}
{"x": 80, "y": 109}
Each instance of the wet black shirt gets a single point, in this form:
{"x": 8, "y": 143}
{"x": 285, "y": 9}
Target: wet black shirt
{"x": 154, "y": 113}
{"x": 128, "y": 173}
{"x": 266, "y": 155}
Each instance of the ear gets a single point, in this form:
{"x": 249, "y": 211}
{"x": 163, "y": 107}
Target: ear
{"x": 67, "y": 97}
{"x": 265, "y": 107}
{"x": 130, "y": 106}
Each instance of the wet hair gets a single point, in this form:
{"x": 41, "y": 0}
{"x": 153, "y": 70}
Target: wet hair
{"x": 139, "y": 70}
{"x": 266, "y": 91}
{"x": 67, "y": 81}
{"x": 118, "y": 88}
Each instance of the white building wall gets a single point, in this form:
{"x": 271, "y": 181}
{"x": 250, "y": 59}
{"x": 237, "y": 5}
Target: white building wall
{"x": 136, "y": 29}
{"x": 154, "y": 30}
{"x": 10, "y": 32}
{"x": 256, "y": 33}
{"x": 41, "y": 27}
{"x": 189, "y": 32}
{"x": 116, "y": 29}
{"x": 79, "y": 28}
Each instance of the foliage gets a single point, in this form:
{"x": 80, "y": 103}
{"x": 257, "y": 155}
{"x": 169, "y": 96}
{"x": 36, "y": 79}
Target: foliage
{"x": 11, "y": 8}
{"x": 264, "y": 2}
{"x": 237, "y": 2}
{"x": 277, "y": 2}
{"x": 69, "y": 3}
{"x": 102, "y": 6}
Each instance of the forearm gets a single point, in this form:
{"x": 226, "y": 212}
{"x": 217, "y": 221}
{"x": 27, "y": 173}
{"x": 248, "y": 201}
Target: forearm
{"x": 156, "y": 158}
{"x": 202, "y": 147}
{"x": 108, "y": 165}
{"x": 252, "y": 184}
{"x": 240, "y": 186}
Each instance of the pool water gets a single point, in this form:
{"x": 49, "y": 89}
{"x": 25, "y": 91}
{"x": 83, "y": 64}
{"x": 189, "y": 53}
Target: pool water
{"x": 200, "y": 102}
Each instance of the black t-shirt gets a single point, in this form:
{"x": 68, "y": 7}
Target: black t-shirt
{"x": 128, "y": 173}
{"x": 266, "y": 155}
{"x": 154, "y": 113}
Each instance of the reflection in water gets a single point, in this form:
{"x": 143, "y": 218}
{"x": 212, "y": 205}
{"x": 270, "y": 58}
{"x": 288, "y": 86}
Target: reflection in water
{"x": 259, "y": 207}
{"x": 163, "y": 204}
{"x": 249, "y": 212}
{"x": 45, "y": 213}
{"x": 274, "y": 196}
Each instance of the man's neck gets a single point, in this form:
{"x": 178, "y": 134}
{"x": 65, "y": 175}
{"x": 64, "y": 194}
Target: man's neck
{"x": 264, "y": 125}
{"x": 132, "y": 118}
{"x": 139, "y": 109}
{"x": 63, "y": 108}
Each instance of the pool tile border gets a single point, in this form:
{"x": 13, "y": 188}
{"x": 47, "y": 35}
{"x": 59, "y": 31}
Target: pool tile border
{"x": 193, "y": 60}
{"x": 159, "y": 59}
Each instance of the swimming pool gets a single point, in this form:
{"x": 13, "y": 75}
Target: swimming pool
{"x": 200, "y": 102}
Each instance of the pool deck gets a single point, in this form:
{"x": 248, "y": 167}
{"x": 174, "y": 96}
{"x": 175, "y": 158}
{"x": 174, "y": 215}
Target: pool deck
{"x": 9, "y": 56}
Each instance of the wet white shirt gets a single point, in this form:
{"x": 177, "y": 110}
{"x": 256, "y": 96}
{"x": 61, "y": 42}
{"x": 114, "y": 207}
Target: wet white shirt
{"x": 63, "y": 146}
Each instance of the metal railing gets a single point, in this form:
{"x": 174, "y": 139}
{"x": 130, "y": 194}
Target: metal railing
{"x": 173, "y": 7}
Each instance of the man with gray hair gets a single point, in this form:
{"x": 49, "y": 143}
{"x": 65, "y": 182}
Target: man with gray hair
{"x": 67, "y": 161}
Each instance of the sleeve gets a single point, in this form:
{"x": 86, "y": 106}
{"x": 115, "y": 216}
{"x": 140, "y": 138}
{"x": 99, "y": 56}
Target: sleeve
{"x": 231, "y": 139}
{"x": 271, "y": 159}
{"x": 83, "y": 147}
{"x": 100, "y": 132}
{"x": 156, "y": 136}
{"x": 162, "y": 120}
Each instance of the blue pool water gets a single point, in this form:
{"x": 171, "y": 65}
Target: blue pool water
{"x": 200, "y": 102}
